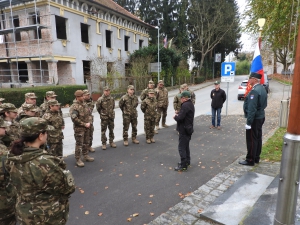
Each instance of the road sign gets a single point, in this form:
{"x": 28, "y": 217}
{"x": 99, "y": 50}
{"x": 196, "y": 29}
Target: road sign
{"x": 154, "y": 67}
{"x": 218, "y": 57}
{"x": 227, "y": 71}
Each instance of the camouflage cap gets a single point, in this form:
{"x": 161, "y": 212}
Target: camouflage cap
{"x": 50, "y": 94}
{"x": 3, "y": 123}
{"x": 86, "y": 92}
{"x": 130, "y": 87}
{"x": 30, "y": 95}
{"x": 151, "y": 82}
{"x": 34, "y": 125}
{"x": 161, "y": 82}
{"x": 30, "y": 107}
{"x": 8, "y": 107}
{"x": 184, "y": 85}
{"x": 78, "y": 93}
{"x": 106, "y": 88}
{"x": 151, "y": 91}
{"x": 2, "y": 99}
{"x": 53, "y": 102}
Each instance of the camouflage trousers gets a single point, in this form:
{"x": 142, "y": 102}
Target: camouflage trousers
{"x": 91, "y": 134}
{"x": 127, "y": 120}
{"x": 110, "y": 124}
{"x": 82, "y": 138}
{"x": 7, "y": 216}
{"x": 161, "y": 112}
{"x": 149, "y": 125}
{"x": 56, "y": 148}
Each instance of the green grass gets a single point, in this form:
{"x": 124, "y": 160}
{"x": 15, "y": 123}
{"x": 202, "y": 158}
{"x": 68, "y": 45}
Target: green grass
{"x": 272, "y": 149}
{"x": 284, "y": 81}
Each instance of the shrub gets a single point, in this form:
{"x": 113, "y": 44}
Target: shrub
{"x": 199, "y": 80}
{"x": 242, "y": 67}
{"x": 16, "y": 96}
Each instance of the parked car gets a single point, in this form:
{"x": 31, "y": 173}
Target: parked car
{"x": 242, "y": 90}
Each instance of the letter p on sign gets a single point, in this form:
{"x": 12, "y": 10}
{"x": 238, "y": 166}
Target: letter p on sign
{"x": 227, "y": 68}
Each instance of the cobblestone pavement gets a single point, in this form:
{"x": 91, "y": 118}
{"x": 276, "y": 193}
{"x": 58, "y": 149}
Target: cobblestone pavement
{"x": 189, "y": 209}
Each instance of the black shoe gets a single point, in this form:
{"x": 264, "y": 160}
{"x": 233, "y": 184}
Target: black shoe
{"x": 188, "y": 164}
{"x": 180, "y": 169}
{"x": 246, "y": 163}
{"x": 256, "y": 160}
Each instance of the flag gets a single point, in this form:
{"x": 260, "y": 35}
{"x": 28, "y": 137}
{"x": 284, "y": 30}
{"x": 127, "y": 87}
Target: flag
{"x": 165, "y": 42}
{"x": 170, "y": 43}
{"x": 256, "y": 67}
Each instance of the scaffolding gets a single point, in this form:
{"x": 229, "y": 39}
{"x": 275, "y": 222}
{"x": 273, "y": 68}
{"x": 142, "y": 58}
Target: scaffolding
{"x": 25, "y": 43}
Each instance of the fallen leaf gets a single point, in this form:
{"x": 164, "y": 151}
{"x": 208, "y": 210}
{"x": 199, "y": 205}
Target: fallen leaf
{"x": 81, "y": 206}
{"x": 120, "y": 175}
{"x": 200, "y": 210}
{"x": 101, "y": 170}
{"x": 150, "y": 202}
{"x": 86, "y": 212}
{"x": 151, "y": 196}
{"x": 129, "y": 219}
{"x": 139, "y": 194}
{"x": 160, "y": 175}
{"x": 81, "y": 191}
{"x": 151, "y": 214}
{"x": 137, "y": 175}
{"x": 106, "y": 187}
{"x": 135, "y": 214}
{"x": 100, "y": 214}
{"x": 177, "y": 184}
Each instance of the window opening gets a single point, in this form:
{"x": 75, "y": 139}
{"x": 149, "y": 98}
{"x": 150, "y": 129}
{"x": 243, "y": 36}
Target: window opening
{"x": 86, "y": 70}
{"x": 108, "y": 34}
{"x": 84, "y": 33}
{"x": 126, "y": 43}
{"x": 61, "y": 30}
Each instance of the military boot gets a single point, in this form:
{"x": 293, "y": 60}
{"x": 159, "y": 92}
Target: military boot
{"x": 104, "y": 147}
{"x": 155, "y": 131}
{"x": 165, "y": 125}
{"x": 79, "y": 163}
{"x": 148, "y": 141}
{"x": 152, "y": 140}
{"x": 126, "y": 142}
{"x": 87, "y": 158}
{"x": 113, "y": 145}
{"x": 157, "y": 127}
{"x": 135, "y": 141}
{"x": 91, "y": 149}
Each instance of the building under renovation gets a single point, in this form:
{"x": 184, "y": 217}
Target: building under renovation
{"x": 65, "y": 41}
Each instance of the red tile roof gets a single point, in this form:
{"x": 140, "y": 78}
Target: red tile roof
{"x": 117, "y": 8}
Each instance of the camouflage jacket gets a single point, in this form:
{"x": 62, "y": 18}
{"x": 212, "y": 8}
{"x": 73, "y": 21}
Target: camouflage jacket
{"x": 128, "y": 105}
{"x": 54, "y": 119}
{"x": 144, "y": 94}
{"x": 162, "y": 97}
{"x": 105, "y": 106}
{"x": 91, "y": 106}
{"x": 148, "y": 107}
{"x": 45, "y": 108}
{"x": 193, "y": 96}
{"x": 79, "y": 113}
{"x": 41, "y": 181}
{"x": 21, "y": 111}
{"x": 177, "y": 102}
{"x": 12, "y": 133}
{"x": 6, "y": 201}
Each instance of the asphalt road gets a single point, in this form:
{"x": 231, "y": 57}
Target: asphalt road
{"x": 140, "y": 178}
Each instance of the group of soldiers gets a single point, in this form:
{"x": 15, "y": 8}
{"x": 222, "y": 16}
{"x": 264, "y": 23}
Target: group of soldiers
{"x": 154, "y": 105}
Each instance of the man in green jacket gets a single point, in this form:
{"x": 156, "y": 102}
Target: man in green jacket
{"x": 254, "y": 110}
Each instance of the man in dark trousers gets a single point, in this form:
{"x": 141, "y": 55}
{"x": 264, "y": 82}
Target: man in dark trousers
{"x": 185, "y": 124}
{"x": 218, "y": 97}
{"x": 254, "y": 110}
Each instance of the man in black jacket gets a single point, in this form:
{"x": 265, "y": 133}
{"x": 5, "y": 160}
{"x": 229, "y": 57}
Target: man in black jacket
{"x": 218, "y": 97}
{"x": 185, "y": 123}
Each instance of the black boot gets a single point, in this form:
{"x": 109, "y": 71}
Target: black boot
{"x": 181, "y": 167}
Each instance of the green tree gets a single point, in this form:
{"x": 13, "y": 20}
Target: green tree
{"x": 129, "y": 5}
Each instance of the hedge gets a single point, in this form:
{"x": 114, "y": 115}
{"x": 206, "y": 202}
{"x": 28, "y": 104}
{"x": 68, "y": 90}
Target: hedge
{"x": 17, "y": 95}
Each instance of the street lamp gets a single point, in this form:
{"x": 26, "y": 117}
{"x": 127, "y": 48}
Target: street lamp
{"x": 261, "y": 23}
{"x": 157, "y": 27}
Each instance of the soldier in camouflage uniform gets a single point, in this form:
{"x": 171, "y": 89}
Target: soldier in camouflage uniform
{"x": 176, "y": 101}
{"x": 89, "y": 101}
{"x": 193, "y": 96}
{"x": 50, "y": 95}
{"x": 30, "y": 98}
{"x": 1, "y": 100}
{"x": 144, "y": 93}
{"x": 105, "y": 106}
{"x": 8, "y": 112}
{"x": 80, "y": 113}
{"x": 148, "y": 107}
{"x": 28, "y": 110}
{"x": 128, "y": 104}
{"x": 7, "y": 202}
{"x": 162, "y": 104}
{"x": 42, "y": 183}
{"x": 55, "y": 137}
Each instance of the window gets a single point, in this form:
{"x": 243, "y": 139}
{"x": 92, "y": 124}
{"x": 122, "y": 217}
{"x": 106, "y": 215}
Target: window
{"x": 109, "y": 67}
{"x": 84, "y": 33}
{"x": 126, "y": 43}
{"x": 141, "y": 43}
{"x": 16, "y": 23}
{"x": 61, "y": 24}
{"x": 108, "y": 34}
{"x": 86, "y": 70}
{"x": 99, "y": 50}
{"x": 98, "y": 27}
{"x": 119, "y": 33}
{"x": 134, "y": 38}
{"x": 23, "y": 72}
{"x": 35, "y": 19}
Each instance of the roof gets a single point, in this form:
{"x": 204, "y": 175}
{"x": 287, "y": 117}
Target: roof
{"x": 110, "y": 4}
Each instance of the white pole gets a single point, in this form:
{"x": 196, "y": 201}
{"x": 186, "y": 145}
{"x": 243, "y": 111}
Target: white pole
{"x": 158, "y": 52}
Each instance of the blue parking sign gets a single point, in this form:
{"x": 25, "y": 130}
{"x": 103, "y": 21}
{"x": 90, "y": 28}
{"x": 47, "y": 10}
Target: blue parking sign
{"x": 227, "y": 71}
